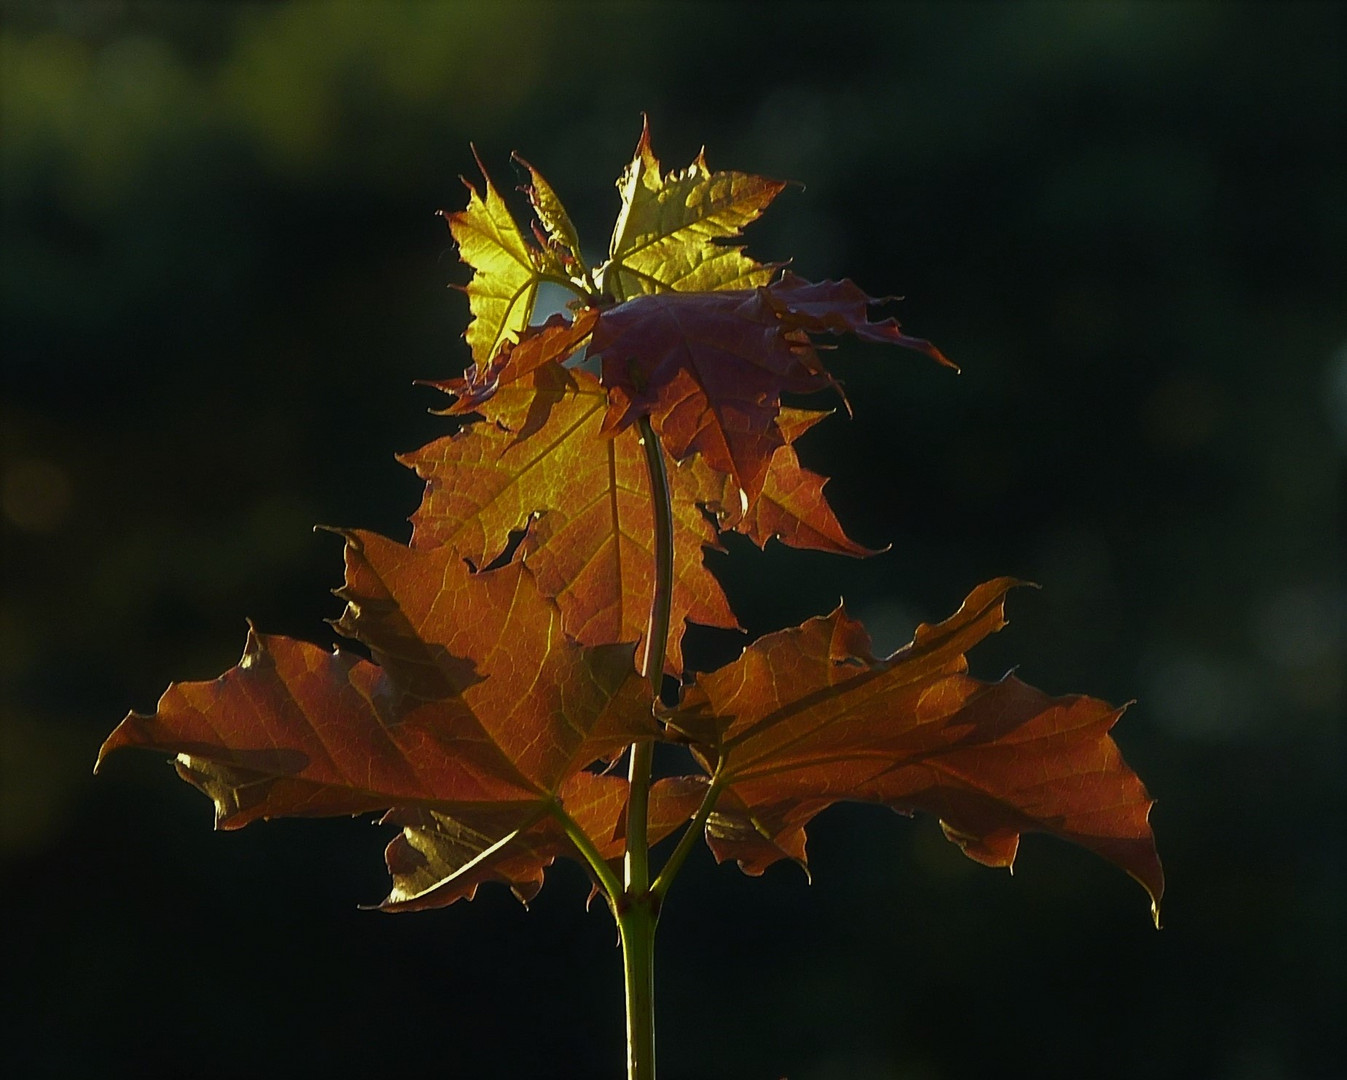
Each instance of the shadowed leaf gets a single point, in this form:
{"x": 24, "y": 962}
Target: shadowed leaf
{"x": 709, "y": 369}
{"x": 438, "y": 859}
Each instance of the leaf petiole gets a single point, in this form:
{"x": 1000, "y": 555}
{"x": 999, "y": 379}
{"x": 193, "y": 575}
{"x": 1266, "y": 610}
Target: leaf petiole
{"x": 687, "y": 841}
{"x": 612, "y": 887}
{"x": 567, "y": 283}
{"x": 636, "y": 865}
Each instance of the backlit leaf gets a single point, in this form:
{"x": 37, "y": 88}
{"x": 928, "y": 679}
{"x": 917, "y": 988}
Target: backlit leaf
{"x": 506, "y": 269}
{"x": 476, "y": 705}
{"x": 552, "y": 215}
{"x": 540, "y": 462}
{"x": 709, "y": 370}
{"x": 676, "y": 232}
{"x": 502, "y": 686}
{"x": 808, "y": 717}
{"x": 840, "y": 307}
{"x": 553, "y": 341}
{"x": 438, "y": 859}
{"x": 791, "y": 508}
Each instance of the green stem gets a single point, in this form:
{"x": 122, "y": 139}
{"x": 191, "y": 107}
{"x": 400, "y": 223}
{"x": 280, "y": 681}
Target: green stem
{"x": 686, "y": 842}
{"x": 637, "y": 927}
{"x": 636, "y": 862}
{"x": 657, "y": 635}
{"x": 637, "y": 910}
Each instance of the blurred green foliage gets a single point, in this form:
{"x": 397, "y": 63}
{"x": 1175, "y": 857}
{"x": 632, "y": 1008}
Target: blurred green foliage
{"x": 219, "y": 274}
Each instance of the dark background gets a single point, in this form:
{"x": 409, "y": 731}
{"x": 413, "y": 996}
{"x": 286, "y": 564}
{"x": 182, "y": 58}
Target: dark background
{"x": 221, "y": 274}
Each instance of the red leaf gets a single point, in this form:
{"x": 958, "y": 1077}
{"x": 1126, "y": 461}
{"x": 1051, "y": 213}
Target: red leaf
{"x": 710, "y": 368}
{"x": 840, "y": 307}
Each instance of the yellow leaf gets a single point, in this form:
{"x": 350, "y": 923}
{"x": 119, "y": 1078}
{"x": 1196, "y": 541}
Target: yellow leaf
{"x": 506, "y": 270}
{"x": 556, "y": 222}
{"x": 671, "y": 230}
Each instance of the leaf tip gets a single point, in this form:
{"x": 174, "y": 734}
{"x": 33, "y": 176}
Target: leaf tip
{"x": 108, "y": 745}
{"x": 644, "y": 151}
{"x": 472, "y": 146}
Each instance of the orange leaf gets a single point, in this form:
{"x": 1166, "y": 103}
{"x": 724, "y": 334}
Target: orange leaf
{"x": 554, "y": 341}
{"x": 791, "y": 508}
{"x": 438, "y": 859}
{"x": 540, "y": 462}
{"x": 808, "y": 717}
{"x": 476, "y": 707}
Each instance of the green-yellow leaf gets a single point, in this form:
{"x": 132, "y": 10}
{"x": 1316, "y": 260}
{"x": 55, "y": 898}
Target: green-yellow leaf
{"x": 506, "y": 269}
{"x": 672, "y": 231}
{"x": 552, "y": 215}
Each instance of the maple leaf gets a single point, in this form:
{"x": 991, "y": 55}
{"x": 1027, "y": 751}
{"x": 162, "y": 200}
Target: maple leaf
{"x": 540, "y": 462}
{"x": 507, "y": 268}
{"x": 676, "y": 232}
{"x": 709, "y": 369}
{"x": 553, "y": 342}
{"x": 791, "y": 508}
{"x": 476, "y": 705}
{"x": 558, "y": 231}
{"x": 808, "y": 717}
{"x": 438, "y": 859}
{"x": 841, "y": 307}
